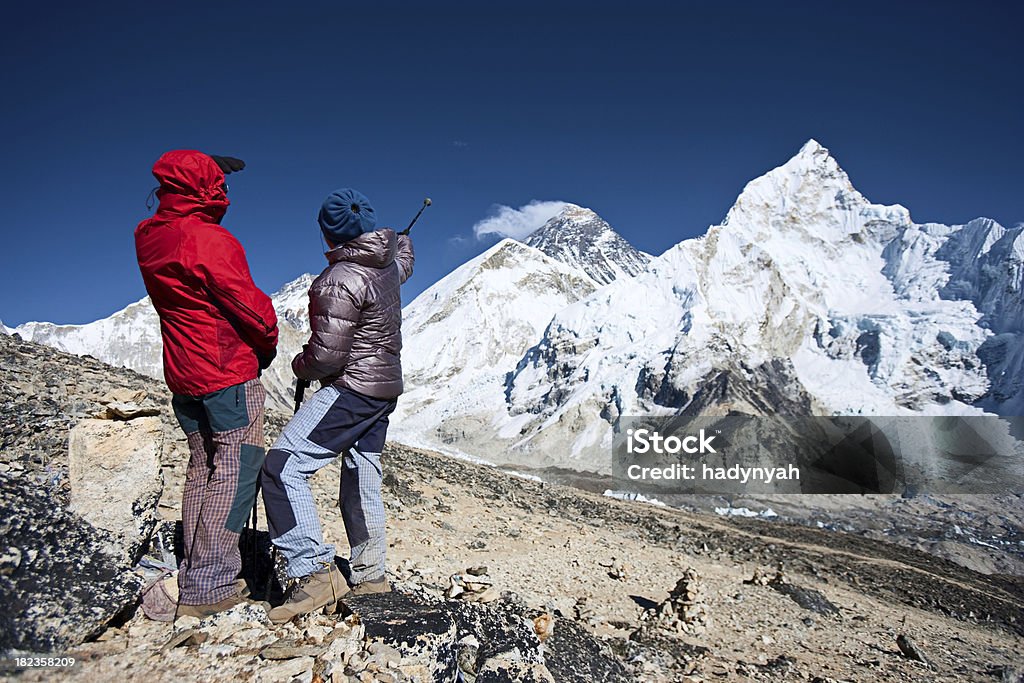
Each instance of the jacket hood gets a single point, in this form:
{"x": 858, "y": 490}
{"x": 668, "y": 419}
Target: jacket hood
{"x": 373, "y": 249}
{"x": 190, "y": 183}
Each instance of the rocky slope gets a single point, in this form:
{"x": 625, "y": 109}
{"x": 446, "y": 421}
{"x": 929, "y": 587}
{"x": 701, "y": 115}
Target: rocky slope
{"x": 487, "y": 564}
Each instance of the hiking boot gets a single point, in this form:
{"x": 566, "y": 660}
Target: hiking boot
{"x": 200, "y": 611}
{"x": 380, "y": 585}
{"x": 322, "y": 589}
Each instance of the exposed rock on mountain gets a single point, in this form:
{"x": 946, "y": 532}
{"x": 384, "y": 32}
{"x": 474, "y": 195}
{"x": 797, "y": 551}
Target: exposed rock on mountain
{"x": 580, "y": 238}
{"x": 462, "y": 335}
{"x": 807, "y": 296}
{"x": 60, "y": 581}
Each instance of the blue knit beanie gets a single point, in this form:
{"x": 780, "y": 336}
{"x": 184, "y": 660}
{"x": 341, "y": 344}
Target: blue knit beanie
{"x": 345, "y": 215}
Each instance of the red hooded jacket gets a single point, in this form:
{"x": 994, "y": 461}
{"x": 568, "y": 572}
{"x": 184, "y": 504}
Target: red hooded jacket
{"x": 214, "y": 320}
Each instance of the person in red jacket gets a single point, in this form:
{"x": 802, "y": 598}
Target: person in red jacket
{"x": 219, "y": 331}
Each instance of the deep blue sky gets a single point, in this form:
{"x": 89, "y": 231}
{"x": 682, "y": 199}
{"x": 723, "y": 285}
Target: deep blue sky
{"x": 654, "y": 115}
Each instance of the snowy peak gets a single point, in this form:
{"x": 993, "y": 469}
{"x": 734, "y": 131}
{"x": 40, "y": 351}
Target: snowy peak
{"x": 465, "y": 333}
{"x": 809, "y": 299}
{"x": 492, "y": 281}
{"x": 292, "y": 301}
{"x": 580, "y": 238}
{"x": 813, "y": 194}
{"x": 128, "y": 338}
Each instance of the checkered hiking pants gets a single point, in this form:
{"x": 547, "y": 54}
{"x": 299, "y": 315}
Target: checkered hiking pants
{"x": 225, "y": 439}
{"x": 334, "y": 421}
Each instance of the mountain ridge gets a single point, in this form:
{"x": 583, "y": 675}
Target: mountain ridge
{"x": 579, "y": 237}
{"x": 805, "y": 290}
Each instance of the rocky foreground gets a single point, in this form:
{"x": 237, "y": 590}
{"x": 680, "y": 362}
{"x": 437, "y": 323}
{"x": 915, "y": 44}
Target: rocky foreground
{"x": 498, "y": 577}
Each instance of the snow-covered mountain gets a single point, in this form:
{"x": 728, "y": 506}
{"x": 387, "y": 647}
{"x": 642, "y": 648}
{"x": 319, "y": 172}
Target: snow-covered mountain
{"x": 580, "y": 238}
{"x": 130, "y": 338}
{"x": 806, "y": 299}
{"x": 463, "y": 335}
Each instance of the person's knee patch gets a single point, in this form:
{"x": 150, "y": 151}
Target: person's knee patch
{"x": 251, "y": 461}
{"x": 280, "y": 516}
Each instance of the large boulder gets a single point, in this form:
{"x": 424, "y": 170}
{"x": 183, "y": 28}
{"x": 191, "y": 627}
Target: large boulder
{"x": 59, "y": 582}
{"x": 114, "y": 468}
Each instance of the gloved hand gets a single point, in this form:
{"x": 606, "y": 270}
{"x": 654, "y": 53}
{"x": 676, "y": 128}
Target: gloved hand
{"x": 265, "y": 358}
{"x": 299, "y": 355}
{"x": 228, "y": 164}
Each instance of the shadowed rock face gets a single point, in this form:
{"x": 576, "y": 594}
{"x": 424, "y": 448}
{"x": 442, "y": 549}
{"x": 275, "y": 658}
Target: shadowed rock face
{"x": 767, "y": 389}
{"x": 59, "y": 584}
{"x": 582, "y": 239}
{"x": 495, "y": 642}
{"x": 425, "y": 635}
{"x": 572, "y": 654}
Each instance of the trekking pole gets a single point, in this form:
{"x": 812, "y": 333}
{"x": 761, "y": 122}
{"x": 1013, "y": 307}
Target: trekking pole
{"x": 426, "y": 203}
{"x": 300, "y": 392}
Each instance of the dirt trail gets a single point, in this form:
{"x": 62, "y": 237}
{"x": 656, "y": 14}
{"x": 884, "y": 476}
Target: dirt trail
{"x": 554, "y": 544}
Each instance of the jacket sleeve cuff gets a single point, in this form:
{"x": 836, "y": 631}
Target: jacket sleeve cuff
{"x": 299, "y": 368}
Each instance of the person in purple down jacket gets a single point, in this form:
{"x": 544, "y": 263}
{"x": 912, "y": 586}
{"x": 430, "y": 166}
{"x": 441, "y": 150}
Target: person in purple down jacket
{"x": 355, "y": 316}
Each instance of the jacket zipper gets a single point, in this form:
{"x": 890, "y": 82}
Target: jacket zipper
{"x": 245, "y": 308}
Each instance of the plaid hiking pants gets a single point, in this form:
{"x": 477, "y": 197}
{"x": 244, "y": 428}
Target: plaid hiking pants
{"x": 334, "y": 421}
{"x": 225, "y": 439}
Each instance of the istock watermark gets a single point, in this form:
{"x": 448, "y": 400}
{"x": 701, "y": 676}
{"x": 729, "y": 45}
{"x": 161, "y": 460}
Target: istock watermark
{"x": 646, "y": 441}
{"x": 744, "y": 454}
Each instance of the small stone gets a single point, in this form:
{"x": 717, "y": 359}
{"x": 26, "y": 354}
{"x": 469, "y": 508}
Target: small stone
{"x": 544, "y": 626}
{"x": 316, "y": 633}
{"x": 285, "y": 648}
{"x": 718, "y": 669}
{"x": 489, "y": 595}
{"x": 121, "y": 395}
{"x": 189, "y": 636}
{"x": 285, "y": 670}
{"x": 10, "y": 560}
{"x": 127, "y": 411}
{"x": 386, "y": 654}
{"x": 911, "y": 650}
{"x": 186, "y": 622}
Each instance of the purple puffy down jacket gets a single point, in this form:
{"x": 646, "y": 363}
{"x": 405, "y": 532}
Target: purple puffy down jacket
{"x": 355, "y": 314}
